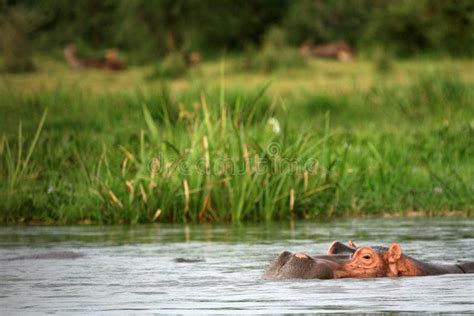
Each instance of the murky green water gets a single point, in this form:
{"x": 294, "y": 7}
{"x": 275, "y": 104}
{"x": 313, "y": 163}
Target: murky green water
{"x": 128, "y": 269}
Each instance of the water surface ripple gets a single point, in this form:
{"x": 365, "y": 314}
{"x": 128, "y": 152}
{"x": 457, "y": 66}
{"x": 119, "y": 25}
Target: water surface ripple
{"x": 133, "y": 269}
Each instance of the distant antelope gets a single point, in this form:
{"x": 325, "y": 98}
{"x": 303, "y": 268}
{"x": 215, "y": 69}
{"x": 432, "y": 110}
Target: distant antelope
{"x": 79, "y": 63}
{"x": 339, "y": 50}
{"x": 193, "y": 58}
{"x": 111, "y": 61}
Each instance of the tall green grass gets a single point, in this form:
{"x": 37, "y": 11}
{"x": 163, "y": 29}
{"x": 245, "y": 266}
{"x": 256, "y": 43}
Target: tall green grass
{"x": 237, "y": 155}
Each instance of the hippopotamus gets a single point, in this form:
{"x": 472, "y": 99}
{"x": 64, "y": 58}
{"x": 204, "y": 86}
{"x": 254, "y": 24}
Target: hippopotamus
{"x": 302, "y": 266}
{"x": 368, "y": 262}
{"x": 350, "y": 261}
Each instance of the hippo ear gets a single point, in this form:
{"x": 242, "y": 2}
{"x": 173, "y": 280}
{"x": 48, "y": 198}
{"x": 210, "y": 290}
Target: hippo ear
{"x": 351, "y": 244}
{"x": 333, "y": 248}
{"x": 339, "y": 248}
{"x": 394, "y": 253}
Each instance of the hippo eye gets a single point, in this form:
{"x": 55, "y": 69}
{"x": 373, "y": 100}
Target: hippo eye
{"x": 367, "y": 257}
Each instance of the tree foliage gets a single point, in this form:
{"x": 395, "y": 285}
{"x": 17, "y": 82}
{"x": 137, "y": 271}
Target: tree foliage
{"x": 148, "y": 29}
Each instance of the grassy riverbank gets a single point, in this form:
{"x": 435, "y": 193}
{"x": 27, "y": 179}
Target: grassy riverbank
{"x": 202, "y": 150}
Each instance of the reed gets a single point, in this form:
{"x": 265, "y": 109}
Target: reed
{"x": 237, "y": 155}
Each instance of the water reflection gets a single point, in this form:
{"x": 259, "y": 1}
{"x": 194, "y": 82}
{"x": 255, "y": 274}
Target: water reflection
{"x": 134, "y": 268}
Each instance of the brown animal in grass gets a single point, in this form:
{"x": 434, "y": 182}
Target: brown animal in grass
{"x": 338, "y": 50}
{"x": 193, "y": 59}
{"x": 76, "y": 62}
{"x": 111, "y": 61}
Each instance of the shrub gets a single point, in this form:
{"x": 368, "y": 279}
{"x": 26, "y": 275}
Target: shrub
{"x": 383, "y": 60}
{"x": 275, "y": 54}
{"x": 172, "y": 66}
{"x": 15, "y": 26}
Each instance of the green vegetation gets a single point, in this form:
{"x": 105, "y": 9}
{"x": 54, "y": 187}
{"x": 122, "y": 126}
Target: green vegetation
{"x": 172, "y": 66}
{"x": 199, "y": 153}
{"x": 147, "y": 31}
{"x": 266, "y": 134}
{"x": 16, "y": 24}
{"x": 274, "y": 55}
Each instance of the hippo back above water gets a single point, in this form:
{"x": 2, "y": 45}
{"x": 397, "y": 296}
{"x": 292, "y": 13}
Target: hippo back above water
{"x": 49, "y": 256}
{"x": 298, "y": 266}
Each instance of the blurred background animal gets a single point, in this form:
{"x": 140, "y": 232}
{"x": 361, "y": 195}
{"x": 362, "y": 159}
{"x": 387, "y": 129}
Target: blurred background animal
{"x": 338, "y": 50}
{"x": 76, "y": 62}
{"x": 110, "y": 61}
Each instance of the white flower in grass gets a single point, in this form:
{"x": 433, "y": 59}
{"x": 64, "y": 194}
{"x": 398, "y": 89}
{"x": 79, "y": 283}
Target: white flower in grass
{"x": 438, "y": 190}
{"x": 275, "y": 125}
{"x": 50, "y": 189}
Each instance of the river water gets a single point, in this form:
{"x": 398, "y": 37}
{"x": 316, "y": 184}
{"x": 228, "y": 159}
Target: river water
{"x": 134, "y": 269}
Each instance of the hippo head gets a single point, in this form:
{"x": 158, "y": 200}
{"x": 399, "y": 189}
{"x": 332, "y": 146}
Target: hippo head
{"x": 392, "y": 262}
{"x": 377, "y": 261}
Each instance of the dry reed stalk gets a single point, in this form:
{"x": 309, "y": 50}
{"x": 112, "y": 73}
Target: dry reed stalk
{"x": 206, "y": 203}
{"x": 223, "y": 119}
{"x": 256, "y": 164}
{"x": 183, "y": 114}
{"x": 318, "y": 189}
{"x": 130, "y": 188}
{"x": 114, "y": 199}
{"x": 155, "y": 165}
{"x": 143, "y": 193}
{"x": 127, "y": 153}
{"x": 168, "y": 170}
{"x": 186, "y": 196}
{"x": 181, "y": 111}
{"x": 124, "y": 166}
{"x": 157, "y": 214}
{"x": 35, "y": 173}
{"x": 246, "y": 159}
{"x": 207, "y": 160}
{"x": 206, "y": 112}
{"x": 305, "y": 181}
{"x": 292, "y": 200}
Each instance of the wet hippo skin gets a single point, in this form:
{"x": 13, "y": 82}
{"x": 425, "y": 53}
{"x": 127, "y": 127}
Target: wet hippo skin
{"x": 299, "y": 266}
